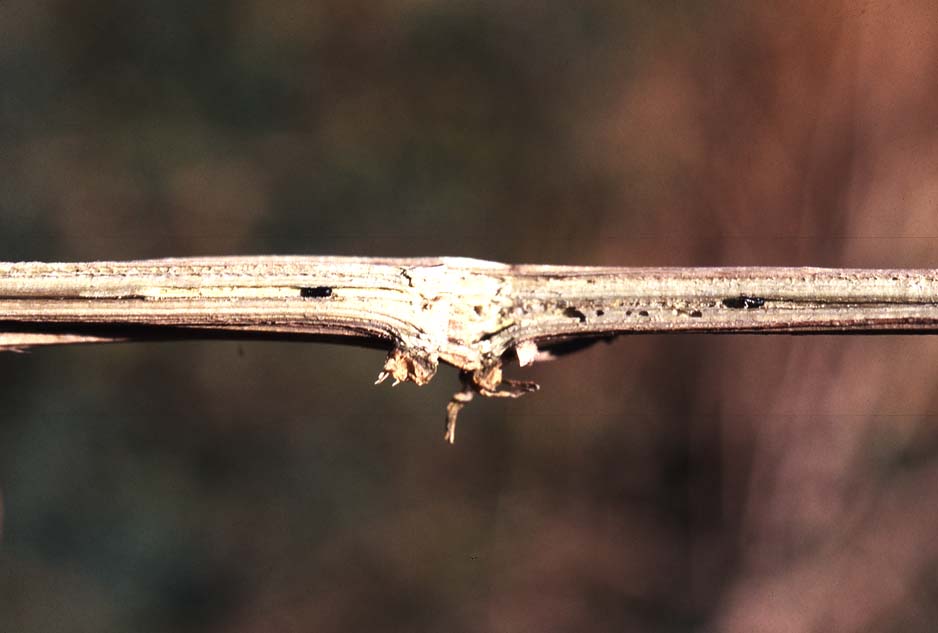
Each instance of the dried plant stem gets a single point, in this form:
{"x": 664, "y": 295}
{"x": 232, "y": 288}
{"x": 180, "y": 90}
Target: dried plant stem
{"x": 467, "y": 313}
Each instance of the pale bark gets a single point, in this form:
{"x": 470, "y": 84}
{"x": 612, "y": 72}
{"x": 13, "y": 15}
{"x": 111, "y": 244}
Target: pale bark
{"x": 464, "y": 312}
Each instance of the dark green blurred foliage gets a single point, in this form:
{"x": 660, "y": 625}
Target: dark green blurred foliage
{"x": 654, "y": 484}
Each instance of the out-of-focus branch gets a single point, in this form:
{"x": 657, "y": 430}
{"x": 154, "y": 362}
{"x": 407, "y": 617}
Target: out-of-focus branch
{"x": 464, "y": 312}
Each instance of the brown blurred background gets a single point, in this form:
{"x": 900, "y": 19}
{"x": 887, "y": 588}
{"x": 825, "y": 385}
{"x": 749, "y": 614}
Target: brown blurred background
{"x": 683, "y": 483}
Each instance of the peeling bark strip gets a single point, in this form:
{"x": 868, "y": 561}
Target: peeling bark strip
{"x": 464, "y": 312}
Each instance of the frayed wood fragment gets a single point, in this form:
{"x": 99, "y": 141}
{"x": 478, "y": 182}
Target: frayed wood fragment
{"x": 526, "y": 352}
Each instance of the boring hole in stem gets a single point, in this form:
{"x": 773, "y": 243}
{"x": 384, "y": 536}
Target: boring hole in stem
{"x": 573, "y": 313}
{"x": 318, "y": 292}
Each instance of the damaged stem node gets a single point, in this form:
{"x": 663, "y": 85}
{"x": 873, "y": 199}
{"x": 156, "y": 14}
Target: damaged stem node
{"x": 467, "y": 313}
{"x": 404, "y": 366}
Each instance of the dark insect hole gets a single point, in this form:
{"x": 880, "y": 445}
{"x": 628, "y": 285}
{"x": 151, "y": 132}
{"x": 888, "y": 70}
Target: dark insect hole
{"x": 316, "y": 293}
{"x": 742, "y": 302}
{"x": 573, "y": 313}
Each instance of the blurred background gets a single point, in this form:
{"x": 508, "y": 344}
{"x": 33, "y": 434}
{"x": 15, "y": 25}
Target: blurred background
{"x": 681, "y": 483}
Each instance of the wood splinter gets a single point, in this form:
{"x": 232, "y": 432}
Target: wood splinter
{"x": 489, "y": 383}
